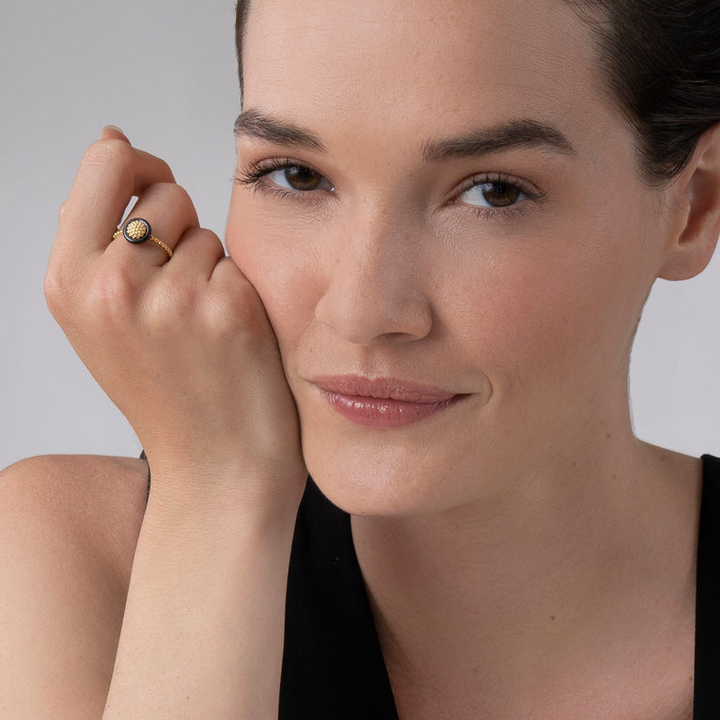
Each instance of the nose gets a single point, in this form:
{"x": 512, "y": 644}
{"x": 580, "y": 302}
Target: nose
{"x": 376, "y": 287}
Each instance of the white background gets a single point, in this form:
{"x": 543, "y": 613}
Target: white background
{"x": 164, "y": 71}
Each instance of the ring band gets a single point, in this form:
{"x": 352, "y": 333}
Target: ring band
{"x": 138, "y": 231}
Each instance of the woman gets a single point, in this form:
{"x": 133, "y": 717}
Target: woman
{"x": 442, "y": 234}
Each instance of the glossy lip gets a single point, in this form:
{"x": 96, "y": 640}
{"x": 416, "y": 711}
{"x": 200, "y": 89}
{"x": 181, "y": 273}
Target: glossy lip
{"x": 383, "y": 402}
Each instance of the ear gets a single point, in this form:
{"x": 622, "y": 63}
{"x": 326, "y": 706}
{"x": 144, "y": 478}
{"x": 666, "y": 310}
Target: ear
{"x": 697, "y": 193}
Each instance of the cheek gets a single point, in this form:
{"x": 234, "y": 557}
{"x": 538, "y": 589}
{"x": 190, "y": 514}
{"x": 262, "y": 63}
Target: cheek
{"x": 557, "y": 308}
{"x": 277, "y": 263}
{"x": 552, "y": 304}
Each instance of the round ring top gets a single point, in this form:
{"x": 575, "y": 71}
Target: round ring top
{"x": 137, "y": 230}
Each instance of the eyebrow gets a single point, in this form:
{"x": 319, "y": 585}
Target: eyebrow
{"x": 253, "y": 123}
{"x": 504, "y": 136}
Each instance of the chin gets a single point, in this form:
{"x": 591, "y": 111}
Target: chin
{"x": 378, "y": 487}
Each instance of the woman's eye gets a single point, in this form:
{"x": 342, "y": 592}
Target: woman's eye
{"x": 494, "y": 194}
{"x": 296, "y": 177}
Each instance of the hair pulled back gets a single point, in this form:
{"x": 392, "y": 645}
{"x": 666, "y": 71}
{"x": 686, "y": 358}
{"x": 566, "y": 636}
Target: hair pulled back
{"x": 660, "y": 62}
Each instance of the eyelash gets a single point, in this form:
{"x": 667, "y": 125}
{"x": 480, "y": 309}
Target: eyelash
{"x": 530, "y": 192}
{"x": 254, "y": 177}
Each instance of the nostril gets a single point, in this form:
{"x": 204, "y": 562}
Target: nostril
{"x": 368, "y": 315}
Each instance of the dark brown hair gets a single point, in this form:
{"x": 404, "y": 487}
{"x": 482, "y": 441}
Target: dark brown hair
{"x": 660, "y": 61}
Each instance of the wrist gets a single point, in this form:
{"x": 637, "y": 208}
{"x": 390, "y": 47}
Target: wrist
{"x": 221, "y": 500}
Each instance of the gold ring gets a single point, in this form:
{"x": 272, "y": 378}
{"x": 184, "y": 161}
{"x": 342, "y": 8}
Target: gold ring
{"x": 138, "y": 231}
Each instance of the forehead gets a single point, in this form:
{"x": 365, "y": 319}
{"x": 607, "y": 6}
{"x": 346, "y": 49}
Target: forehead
{"x": 421, "y": 66}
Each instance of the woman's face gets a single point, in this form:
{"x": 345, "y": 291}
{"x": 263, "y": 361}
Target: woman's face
{"x": 462, "y": 211}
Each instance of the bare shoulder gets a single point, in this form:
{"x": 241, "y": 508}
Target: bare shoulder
{"x": 68, "y": 529}
{"x": 91, "y": 503}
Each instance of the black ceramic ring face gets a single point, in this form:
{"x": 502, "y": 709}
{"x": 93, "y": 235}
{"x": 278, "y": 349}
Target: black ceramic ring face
{"x": 137, "y": 231}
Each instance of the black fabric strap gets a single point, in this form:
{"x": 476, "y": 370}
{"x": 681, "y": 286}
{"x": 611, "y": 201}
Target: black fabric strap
{"x": 144, "y": 457}
{"x": 707, "y": 610}
{"x": 333, "y": 667}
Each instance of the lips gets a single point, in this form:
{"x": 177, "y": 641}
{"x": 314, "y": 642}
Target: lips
{"x": 384, "y": 402}
{"x": 382, "y": 388}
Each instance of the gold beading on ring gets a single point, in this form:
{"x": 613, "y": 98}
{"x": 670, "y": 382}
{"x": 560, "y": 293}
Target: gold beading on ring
{"x": 137, "y": 231}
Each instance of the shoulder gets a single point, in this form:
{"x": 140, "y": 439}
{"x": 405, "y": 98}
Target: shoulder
{"x": 92, "y": 503}
{"x": 68, "y": 529}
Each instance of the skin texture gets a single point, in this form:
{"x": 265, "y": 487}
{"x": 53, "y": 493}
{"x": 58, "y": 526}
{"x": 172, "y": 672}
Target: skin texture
{"x": 212, "y": 552}
{"x": 525, "y": 555}
{"x": 533, "y": 315}
{"x": 382, "y": 272}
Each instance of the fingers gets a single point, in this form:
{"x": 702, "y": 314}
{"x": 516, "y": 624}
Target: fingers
{"x": 183, "y": 346}
{"x": 111, "y": 172}
{"x": 86, "y": 263}
{"x": 181, "y": 288}
{"x": 196, "y": 255}
{"x": 170, "y": 212}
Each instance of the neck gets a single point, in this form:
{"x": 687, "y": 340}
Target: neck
{"x": 574, "y": 557}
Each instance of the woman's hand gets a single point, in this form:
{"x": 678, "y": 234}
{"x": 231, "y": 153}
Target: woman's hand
{"x": 182, "y": 346}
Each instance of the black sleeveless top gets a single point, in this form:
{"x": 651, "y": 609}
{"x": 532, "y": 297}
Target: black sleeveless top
{"x": 333, "y": 667}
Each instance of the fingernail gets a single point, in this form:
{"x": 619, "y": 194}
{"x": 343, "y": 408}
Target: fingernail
{"x": 113, "y": 127}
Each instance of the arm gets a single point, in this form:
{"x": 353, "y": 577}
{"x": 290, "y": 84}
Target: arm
{"x": 185, "y": 350}
{"x": 68, "y": 529}
{"x": 203, "y": 628}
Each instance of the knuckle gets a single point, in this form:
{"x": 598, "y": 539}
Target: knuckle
{"x": 57, "y": 286}
{"x": 204, "y": 243}
{"x": 113, "y": 151}
{"x": 54, "y": 283}
{"x": 214, "y": 243}
{"x": 171, "y": 305}
{"x": 110, "y": 294}
{"x": 165, "y": 169}
{"x": 176, "y": 196}
{"x": 235, "y": 307}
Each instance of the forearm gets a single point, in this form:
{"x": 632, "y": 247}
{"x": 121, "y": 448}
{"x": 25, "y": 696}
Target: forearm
{"x": 204, "y": 388}
{"x": 202, "y": 634}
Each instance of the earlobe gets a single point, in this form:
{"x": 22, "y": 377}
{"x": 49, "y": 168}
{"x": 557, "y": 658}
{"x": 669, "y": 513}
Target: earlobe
{"x": 691, "y": 247}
